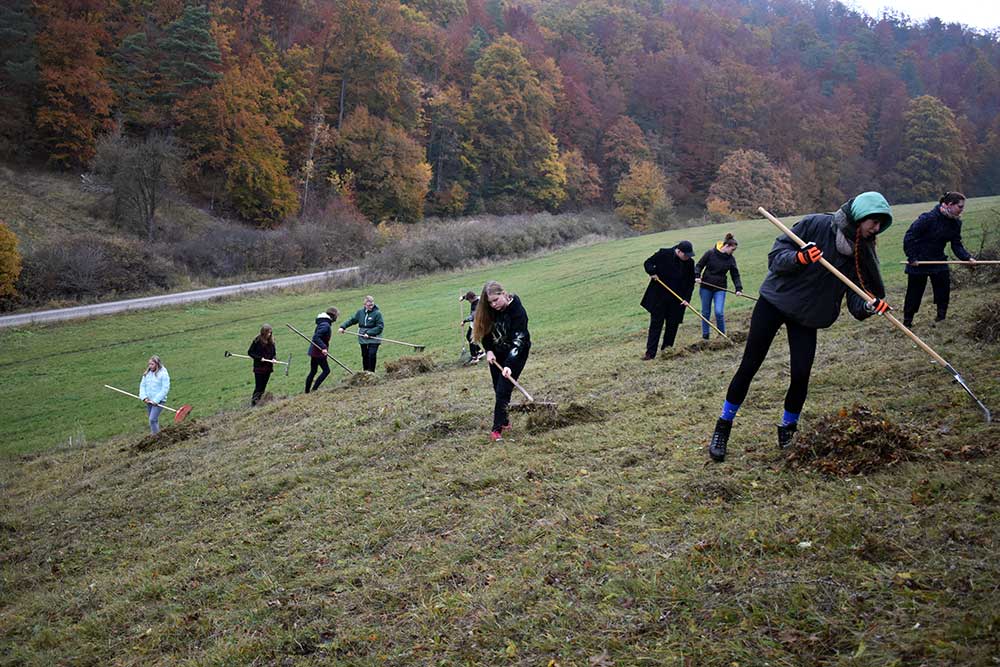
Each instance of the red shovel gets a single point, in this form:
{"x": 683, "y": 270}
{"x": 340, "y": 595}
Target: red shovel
{"x": 179, "y": 415}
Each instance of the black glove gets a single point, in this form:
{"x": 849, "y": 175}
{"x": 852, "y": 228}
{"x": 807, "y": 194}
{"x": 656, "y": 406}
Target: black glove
{"x": 808, "y": 254}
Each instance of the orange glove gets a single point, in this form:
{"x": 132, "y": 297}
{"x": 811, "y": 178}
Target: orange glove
{"x": 878, "y": 306}
{"x": 808, "y": 254}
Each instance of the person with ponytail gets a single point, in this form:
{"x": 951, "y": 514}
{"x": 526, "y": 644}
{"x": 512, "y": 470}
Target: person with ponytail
{"x": 925, "y": 241}
{"x": 710, "y": 274}
{"x": 153, "y": 389}
{"x": 500, "y": 326}
{"x": 319, "y": 349}
{"x": 804, "y": 296}
{"x": 261, "y": 349}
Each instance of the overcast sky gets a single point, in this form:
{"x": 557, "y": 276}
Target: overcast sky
{"x": 982, "y": 14}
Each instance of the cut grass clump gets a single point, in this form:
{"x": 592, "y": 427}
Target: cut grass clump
{"x": 986, "y": 323}
{"x": 717, "y": 342}
{"x": 574, "y": 413}
{"x": 170, "y": 435}
{"x": 361, "y": 379}
{"x": 852, "y": 441}
{"x": 405, "y": 367}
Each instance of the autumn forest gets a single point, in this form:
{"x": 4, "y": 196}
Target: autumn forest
{"x": 412, "y": 108}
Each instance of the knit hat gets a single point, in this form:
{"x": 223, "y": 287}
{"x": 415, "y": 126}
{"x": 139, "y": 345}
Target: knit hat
{"x": 868, "y": 204}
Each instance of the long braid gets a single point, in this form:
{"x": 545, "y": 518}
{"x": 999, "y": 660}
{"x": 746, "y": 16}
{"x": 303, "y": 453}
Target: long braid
{"x": 857, "y": 261}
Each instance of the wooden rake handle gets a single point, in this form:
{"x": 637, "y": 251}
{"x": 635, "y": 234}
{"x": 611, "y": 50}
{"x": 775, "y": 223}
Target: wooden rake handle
{"x": 419, "y": 348}
{"x": 888, "y": 315}
{"x": 328, "y": 355}
{"x": 122, "y": 391}
{"x": 952, "y": 261}
{"x": 745, "y": 296}
{"x": 243, "y": 356}
{"x": 692, "y": 308}
{"x": 514, "y": 382}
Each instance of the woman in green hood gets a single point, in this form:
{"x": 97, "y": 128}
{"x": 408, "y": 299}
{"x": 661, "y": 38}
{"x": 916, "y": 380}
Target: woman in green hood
{"x": 805, "y": 297}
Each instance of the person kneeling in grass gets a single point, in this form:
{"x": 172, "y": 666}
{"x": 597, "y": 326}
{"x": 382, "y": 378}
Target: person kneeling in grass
{"x": 804, "y": 296}
{"x": 501, "y": 327}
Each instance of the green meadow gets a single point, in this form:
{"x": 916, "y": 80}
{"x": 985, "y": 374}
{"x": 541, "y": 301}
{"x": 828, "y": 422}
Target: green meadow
{"x": 374, "y": 524}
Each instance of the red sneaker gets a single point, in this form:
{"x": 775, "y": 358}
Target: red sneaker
{"x": 495, "y": 436}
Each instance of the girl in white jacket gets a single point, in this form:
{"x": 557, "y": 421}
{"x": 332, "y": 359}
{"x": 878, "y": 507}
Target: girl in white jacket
{"x": 153, "y": 389}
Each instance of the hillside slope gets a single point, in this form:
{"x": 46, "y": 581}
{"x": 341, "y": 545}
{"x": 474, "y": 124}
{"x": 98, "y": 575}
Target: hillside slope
{"x": 374, "y": 524}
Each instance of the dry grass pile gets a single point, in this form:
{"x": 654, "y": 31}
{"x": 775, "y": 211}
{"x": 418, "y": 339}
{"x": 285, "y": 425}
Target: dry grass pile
{"x": 556, "y": 417}
{"x": 405, "y": 367}
{"x": 170, "y": 435}
{"x": 361, "y": 379}
{"x": 986, "y": 323}
{"x": 855, "y": 440}
{"x": 716, "y": 342}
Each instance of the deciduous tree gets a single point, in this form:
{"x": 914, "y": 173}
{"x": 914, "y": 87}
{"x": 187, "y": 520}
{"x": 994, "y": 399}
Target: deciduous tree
{"x": 933, "y": 151}
{"x": 641, "y": 192}
{"x": 746, "y": 180}
{"x": 10, "y": 261}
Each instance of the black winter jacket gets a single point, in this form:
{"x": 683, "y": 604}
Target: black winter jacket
{"x": 472, "y": 310}
{"x": 926, "y": 238}
{"x": 810, "y": 294}
{"x": 675, "y": 272}
{"x": 260, "y": 351}
{"x": 713, "y": 267}
{"x": 509, "y": 339}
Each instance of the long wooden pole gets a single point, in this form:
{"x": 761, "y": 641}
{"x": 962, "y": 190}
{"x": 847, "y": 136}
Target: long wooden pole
{"x": 745, "y": 296}
{"x": 419, "y": 348}
{"x": 319, "y": 348}
{"x": 691, "y": 308}
{"x": 514, "y": 382}
{"x": 952, "y": 261}
{"x": 888, "y": 315}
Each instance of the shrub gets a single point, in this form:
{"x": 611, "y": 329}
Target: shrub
{"x": 450, "y": 245}
{"x": 10, "y": 262}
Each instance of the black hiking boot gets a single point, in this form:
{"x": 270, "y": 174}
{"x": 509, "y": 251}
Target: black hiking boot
{"x": 720, "y": 438}
{"x": 785, "y": 435}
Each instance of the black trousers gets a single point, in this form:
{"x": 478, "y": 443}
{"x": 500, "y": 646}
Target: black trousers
{"x": 315, "y": 363}
{"x": 764, "y": 325}
{"x": 474, "y": 349}
{"x": 502, "y": 387}
{"x": 369, "y": 353}
{"x": 915, "y": 286}
{"x": 666, "y": 321}
{"x": 259, "y": 385}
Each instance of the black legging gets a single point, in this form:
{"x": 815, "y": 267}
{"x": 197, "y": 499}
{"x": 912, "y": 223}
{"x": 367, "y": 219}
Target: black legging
{"x": 259, "y": 385}
{"x": 502, "y": 387}
{"x": 764, "y": 325}
{"x": 474, "y": 349}
{"x": 314, "y": 363}
{"x": 916, "y": 284}
{"x": 368, "y": 356}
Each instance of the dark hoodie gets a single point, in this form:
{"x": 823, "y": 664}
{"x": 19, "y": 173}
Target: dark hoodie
{"x": 810, "y": 294}
{"x": 321, "y": 336}
{"x": 926, "y": 238}
{"x": 509, "y": 338}
{"x": 713, "y": 267}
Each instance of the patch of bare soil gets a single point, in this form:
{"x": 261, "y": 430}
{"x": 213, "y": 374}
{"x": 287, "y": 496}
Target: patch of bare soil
{"x": 852, "y": 441}
{"x": 170, "y": 435}
{"x": 408, "y": 366}
{"x": 558, "y": 417}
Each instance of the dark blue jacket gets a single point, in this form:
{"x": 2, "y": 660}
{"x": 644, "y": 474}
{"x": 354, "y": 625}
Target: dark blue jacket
{"x": 926, "y": 238}
{"x": 321, "y": 336}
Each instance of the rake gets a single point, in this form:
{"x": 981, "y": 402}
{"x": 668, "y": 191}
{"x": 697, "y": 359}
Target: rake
{"x": 953, "y": 261}
{"x": 888, "y": 315}
{"x": 286, "y": 364}
{"x": 329, "y": 356}
{"x": 179, "y": 414}
{"x": 418, "y": 348}
{"x": 745, "y": 296}
{"x": 532, "y": 404}
{"x": 692, "y": 309}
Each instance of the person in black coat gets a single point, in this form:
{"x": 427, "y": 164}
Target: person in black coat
{"x": 804, "y": 296}
{"x": 925, "y": 241}
{"x": 261, "y": 349}
{"x": 501, "y": 326}
{"x": 475, "y": 351}
{"x": 674, "y": 267}
{"x": 318, "y": 351}
{"x": 710, "y": 274}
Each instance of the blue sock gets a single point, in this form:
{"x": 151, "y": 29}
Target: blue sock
{"x": 729, "y": 410}
{"x": 790, "y": 418}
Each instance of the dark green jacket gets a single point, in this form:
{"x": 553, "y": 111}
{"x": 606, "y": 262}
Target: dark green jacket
{"x": 368, "y": 323}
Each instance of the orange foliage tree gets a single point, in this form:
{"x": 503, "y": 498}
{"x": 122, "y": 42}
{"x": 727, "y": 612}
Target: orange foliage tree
{"x": 10, "y": 261}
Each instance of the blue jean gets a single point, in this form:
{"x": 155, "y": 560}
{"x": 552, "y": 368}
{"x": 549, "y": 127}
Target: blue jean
{"x": 154, "y": 417}
{"x": 710, "y": 297}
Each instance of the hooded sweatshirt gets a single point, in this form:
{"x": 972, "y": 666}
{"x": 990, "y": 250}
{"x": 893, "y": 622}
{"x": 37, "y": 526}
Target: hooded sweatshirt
{"x": 321, "y": 336}
{"x": 713, "y": 267}
{"x": 810, "y": 294}
{"x": 926, "y": 238}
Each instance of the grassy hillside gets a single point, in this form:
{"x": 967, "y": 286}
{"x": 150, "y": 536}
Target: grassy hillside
{"x": 370, "y": 525}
